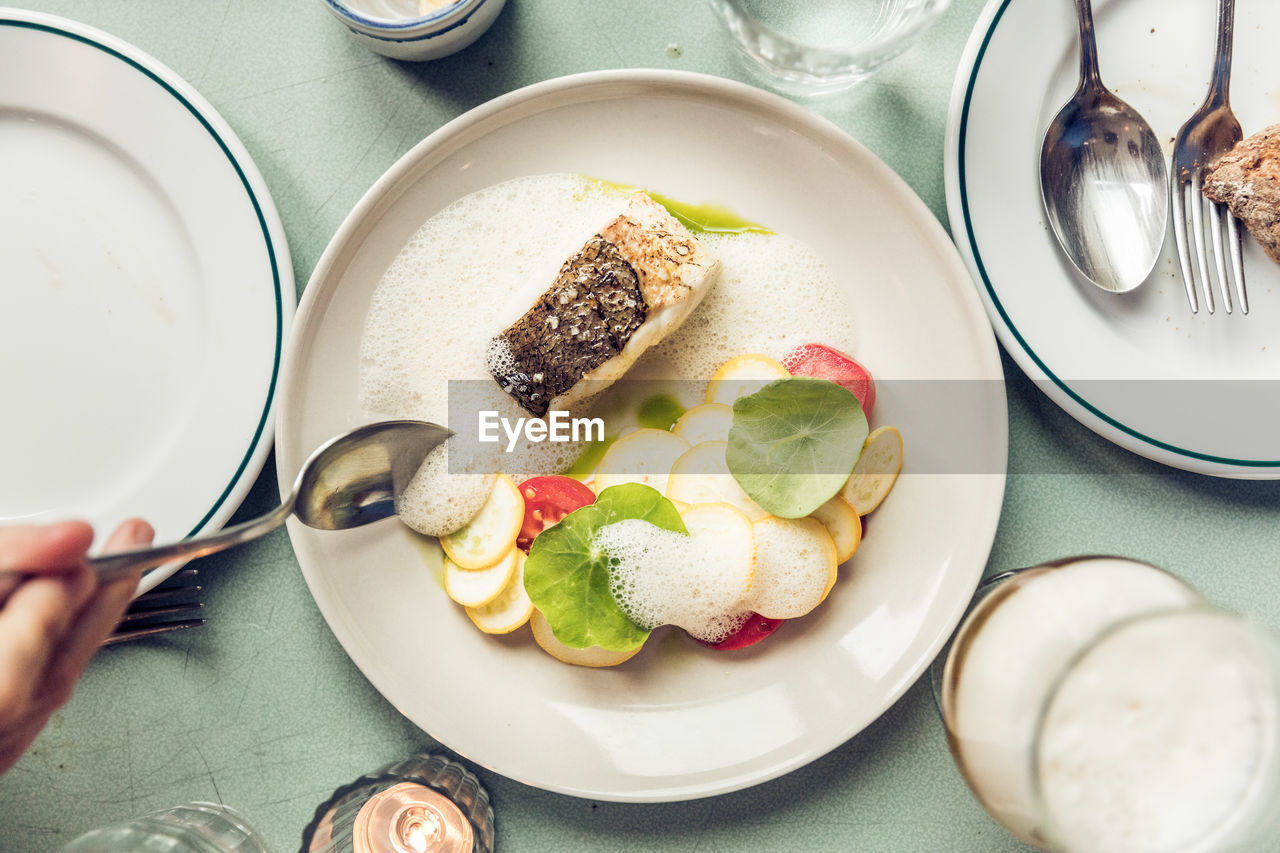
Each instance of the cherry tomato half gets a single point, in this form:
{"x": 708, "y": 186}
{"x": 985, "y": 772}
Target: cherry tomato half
{"x": 824, "y": 362}
{"x": 755, "y": 629}
{"x": 546, "y": 501}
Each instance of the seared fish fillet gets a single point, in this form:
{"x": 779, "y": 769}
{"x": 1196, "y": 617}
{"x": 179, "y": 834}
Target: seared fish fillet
{"x": 623, "y": 292}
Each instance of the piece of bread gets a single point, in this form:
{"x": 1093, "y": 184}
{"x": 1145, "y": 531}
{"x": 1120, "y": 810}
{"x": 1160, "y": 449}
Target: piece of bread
{"x": 1247, "y": 180}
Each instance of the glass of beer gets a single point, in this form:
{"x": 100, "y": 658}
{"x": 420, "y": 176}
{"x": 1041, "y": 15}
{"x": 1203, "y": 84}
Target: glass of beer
{"x": 1101, "y": 704}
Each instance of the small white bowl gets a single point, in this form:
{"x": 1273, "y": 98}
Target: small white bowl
{"x": 376, "y": 25}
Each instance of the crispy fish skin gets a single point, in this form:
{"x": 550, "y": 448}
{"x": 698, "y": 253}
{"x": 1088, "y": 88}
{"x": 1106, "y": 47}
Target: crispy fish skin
{"x": 584, "y": 319}
{"x": 670, "y": 261}
{"x": 625, "y": 290}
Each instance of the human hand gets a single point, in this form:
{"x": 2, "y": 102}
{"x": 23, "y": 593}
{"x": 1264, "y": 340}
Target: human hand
{"x": 53, "y": 620}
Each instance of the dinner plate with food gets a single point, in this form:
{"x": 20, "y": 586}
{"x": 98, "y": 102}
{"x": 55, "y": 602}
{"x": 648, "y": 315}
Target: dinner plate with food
{"x": 1195, "y": 391}
{"x": 728, "y": 450}
{"x": 146, "y": 291}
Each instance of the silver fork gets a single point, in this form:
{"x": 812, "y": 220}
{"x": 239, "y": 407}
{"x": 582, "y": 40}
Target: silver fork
{"x": 171, "y": 606}
{"x": 1212, "y": 130}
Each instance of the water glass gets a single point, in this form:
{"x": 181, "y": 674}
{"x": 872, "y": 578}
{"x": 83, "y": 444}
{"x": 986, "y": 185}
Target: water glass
{"x": 192, "y": 828}
{"x": 814, "y": 47}
{"x": 1101, "y": 704}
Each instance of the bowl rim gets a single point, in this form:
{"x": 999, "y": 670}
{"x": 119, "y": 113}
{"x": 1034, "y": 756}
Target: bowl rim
{"x": 374, "y": 25}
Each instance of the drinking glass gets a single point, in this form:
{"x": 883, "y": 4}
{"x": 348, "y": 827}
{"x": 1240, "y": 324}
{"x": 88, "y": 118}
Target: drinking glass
{"x": 191, "y": 828}
{"x": 814, "y": 47}
{"x": 1100, "y": 704}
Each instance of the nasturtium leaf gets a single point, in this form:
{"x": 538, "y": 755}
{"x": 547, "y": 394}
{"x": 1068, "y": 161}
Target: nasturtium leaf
{"x": 567, "y": 573}
{"x": 794, "y": 442}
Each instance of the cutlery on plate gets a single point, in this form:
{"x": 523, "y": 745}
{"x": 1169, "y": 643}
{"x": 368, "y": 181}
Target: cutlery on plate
{"x": 1211, "y": 131}
{"x": 1102, "y": 179}
{"x": 350, "y": 481}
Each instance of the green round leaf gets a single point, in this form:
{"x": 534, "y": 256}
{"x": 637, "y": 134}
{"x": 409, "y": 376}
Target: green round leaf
{"x": 567, "y": 574}
{"x": 794, "y": 443}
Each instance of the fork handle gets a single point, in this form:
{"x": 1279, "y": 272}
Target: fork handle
{"x": 111, "y": 566}
{"x": 1220, "y": 84}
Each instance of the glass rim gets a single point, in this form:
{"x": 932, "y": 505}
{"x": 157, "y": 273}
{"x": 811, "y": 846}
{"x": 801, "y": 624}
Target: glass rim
{"x": 925, "y": 16}
{"x": 1194, "y": 610}
{"x": 965, "y": 632}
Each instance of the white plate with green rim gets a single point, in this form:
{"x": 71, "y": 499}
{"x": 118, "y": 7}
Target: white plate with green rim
{"x": 1195, "y": 392}
{"x": 146, "y": 292}
{"x": 677, "y": 721}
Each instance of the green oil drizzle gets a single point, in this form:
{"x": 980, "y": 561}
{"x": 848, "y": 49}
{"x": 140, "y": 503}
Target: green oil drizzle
{"x": 585, "y": 464}
{"x": 430, "y": 552}
{"x": 660, "y": 411}
{"x": 698, "y": 218}
{"x": 708, "y": 218}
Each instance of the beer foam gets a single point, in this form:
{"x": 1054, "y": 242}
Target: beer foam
{"x": 1158, "y": 738}
{"x": 660, "y": 577}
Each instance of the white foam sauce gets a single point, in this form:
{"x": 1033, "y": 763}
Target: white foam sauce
{"x": 660, "y": 577}
{"x": 478, "y": 265}
{"x": 1196, "y": 727}
{"x": 790, "y": 574}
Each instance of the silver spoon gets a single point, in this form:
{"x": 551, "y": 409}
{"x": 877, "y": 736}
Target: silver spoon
{"x": 350, "y": 481}
{"x": 1102, "y": 178}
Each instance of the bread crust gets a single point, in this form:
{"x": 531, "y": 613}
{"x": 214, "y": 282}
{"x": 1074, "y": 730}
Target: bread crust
{"x": 1247, "y": 180}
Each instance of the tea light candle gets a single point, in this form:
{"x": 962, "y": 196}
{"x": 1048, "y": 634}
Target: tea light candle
{"x": 420, "y": 804}
{"x": 411, "y": 818}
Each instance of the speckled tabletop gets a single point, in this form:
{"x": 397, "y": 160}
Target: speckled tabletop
{"x": 262, "y": 710}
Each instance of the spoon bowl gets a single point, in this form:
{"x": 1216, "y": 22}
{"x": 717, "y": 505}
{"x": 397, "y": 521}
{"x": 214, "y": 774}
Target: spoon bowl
{"x": 349, "y": 481}
{"x": 1103, "y": 179}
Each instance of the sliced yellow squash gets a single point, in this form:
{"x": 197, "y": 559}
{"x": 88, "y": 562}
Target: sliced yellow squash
{"x": 700, "y": 475}
{"x": 477, "y": 587}
{"x": 743, "y": 375}
{"x": 795, "y": 566}
{"x": 593, "y": 656}
{"x": 644, "y": 456}
{"x": 876, "y": 470}
{"x": 511, "y": 609}
{"x": 842, "y": 522}
{"x": 487, "y": 537}
{"x": 707, "y": 422}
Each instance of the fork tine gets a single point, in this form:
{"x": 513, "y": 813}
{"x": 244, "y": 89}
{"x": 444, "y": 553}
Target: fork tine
{"x": 144, "y": 614}
{"x": 171, "y": 606}
{"x": 1197, "y": 228}
{"x": 1237, "y": 262}
{"x": 150, "y": 631}
{"x": 1180, "y": 237}
{"x": 165, "y": 595}
{"x": 1219, "y": 253}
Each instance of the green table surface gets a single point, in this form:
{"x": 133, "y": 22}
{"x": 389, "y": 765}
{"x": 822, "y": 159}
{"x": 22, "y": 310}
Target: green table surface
{"x": 261, "y": 709}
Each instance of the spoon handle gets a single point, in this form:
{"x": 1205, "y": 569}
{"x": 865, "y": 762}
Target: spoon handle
{"x": 1089, "y": 76}
{"x": 111, "y": 566}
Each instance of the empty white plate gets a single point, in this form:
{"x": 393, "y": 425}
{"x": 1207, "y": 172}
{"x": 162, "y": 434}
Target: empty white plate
{"x": 145, "y": 290}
